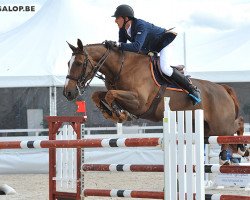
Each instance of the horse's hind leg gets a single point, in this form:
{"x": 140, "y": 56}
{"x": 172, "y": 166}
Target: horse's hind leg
{"x": 225, "y": 155}
{"x": 221, "y": 127}
{"x": 227, "y": 150}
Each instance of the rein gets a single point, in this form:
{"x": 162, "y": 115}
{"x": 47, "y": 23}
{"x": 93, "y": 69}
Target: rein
{"x": 81, "y": 85}
{"x": 95, "y": 70}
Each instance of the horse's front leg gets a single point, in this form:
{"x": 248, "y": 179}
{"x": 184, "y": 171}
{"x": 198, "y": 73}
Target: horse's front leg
{"x": 99, "y": 100}
{"x": 121, "y": 102}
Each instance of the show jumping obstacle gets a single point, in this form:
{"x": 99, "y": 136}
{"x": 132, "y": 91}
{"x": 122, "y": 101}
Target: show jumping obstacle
{"x": 172, "y": 158}
{"x": 123, "y": 193}
{"x": 83, "y": 143}
{"x": 227, "y": 140}
{"x": 54, "y": 124}
{"x": 124, "y": 142}
{"x": 152, "y": 195}
{"x": 231, "y": 169}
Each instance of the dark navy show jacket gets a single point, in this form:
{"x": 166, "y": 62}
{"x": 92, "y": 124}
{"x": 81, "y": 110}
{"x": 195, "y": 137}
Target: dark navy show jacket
{"x": 145, "y": 37}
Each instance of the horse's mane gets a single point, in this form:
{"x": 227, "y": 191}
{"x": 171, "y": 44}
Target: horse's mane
{"x": 117, "y": 50}
{"x": 95, "y": 44}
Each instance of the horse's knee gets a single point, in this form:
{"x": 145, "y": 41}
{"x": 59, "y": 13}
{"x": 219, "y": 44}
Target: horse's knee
{"x": 110, "y": 96}
{"x": 97, "y": 96}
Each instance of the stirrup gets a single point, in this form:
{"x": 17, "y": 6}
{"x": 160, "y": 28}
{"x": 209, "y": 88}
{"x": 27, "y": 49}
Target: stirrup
{"x": 195, "y": 99}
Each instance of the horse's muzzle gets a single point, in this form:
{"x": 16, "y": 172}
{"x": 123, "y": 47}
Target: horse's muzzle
{"x": 70, "y": 94}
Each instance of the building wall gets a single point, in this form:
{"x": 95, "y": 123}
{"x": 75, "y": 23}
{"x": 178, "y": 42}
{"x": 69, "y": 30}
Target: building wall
{"x": 16, "y": 101}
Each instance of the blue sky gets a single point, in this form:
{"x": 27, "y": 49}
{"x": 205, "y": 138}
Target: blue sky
{"x": 207, "y": 15}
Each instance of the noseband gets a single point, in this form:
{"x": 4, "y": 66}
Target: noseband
{"x": 81, "y": 84}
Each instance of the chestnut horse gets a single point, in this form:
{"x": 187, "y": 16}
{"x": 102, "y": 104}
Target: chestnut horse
{"x": 132, "y": 91}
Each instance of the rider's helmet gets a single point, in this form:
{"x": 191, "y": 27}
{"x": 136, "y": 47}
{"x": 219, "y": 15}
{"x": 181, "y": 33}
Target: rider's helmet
{"x": 124, "y": 11}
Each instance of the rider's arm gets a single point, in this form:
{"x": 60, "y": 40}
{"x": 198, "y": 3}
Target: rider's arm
{"x": 122, "y": 36}
{"x": 139, "y": 39}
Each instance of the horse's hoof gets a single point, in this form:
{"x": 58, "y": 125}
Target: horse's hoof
{"x": 123, "y": 117}
{"x": 129, "y": 116}
{"x": 235, "y": 163}
{"x": 225, "y": 162}
{"x": 117, "y": 113}
{"x": 112, "y": 118}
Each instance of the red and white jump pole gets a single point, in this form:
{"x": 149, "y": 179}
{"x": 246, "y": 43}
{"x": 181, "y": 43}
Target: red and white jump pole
{"x": 224, "y": 169}
{"x": 153, "y": 194}
{"x": 82, "y": 143}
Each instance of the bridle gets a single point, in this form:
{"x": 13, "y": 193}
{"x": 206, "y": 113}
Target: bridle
{"x": 81, "y": 84}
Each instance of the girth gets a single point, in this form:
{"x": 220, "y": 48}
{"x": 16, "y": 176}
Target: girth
{"x": 154, "y": 103}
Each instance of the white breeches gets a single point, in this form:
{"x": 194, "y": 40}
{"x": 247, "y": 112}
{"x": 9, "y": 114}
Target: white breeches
{"x": 165, "y": 62}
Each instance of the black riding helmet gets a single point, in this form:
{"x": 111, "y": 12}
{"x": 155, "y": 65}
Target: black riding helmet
{"x": 124, "y": 11}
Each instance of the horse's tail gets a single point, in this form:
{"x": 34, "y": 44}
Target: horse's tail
{"x": 240, "y": 125}
{"x": 232, "y": 93}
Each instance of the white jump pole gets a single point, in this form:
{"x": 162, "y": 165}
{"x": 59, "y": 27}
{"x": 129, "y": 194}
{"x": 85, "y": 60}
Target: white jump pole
{"x": 182, "y": 154}
{"x": 166, "y": 147}
{"x": 199, "y": 153}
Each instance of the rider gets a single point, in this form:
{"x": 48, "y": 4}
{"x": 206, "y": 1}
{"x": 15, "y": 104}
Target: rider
{"x": 145, "y": 37}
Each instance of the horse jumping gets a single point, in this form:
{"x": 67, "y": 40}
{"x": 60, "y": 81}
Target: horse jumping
{"x": 132, "y": 91}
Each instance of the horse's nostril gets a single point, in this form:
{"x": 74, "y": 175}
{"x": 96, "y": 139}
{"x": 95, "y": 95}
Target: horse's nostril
{"x": 70, "y": 96}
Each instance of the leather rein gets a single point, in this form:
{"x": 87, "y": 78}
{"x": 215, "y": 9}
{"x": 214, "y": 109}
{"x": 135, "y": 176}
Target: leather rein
{"x": 82, "y": 84}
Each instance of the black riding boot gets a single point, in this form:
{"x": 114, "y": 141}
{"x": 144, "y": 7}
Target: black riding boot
{"x": 183, "y": 81}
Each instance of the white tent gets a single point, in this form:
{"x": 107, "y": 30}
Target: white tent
{"x": 220, "y": 57}
{"x": 36, "y": 54}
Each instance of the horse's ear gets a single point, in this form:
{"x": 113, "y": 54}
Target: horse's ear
{"x": 79, "y": 44}
{"x": 72, "y": 47}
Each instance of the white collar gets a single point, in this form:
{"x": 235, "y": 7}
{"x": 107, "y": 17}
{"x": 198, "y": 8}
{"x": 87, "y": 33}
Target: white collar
{"x": 129, "y": 30}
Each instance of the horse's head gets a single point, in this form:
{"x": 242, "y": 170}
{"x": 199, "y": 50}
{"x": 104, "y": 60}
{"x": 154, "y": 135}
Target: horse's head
{"x": 80, "y": 71}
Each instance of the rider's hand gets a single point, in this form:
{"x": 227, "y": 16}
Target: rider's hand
{"x": 110, "y": 44}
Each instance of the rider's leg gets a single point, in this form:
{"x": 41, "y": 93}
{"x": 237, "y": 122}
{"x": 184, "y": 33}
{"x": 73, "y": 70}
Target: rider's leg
{"x": 164, "y": 62}
{"x": 178, "y": 77}
{"x": 185, "y": 84}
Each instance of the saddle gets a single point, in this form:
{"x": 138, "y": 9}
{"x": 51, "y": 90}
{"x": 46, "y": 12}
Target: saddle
{"x": 161, "y": 82}
{"x": 159, "y": 78}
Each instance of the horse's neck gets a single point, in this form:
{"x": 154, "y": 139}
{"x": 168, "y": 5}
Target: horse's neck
{"x": 112, "y": 64}
{"x": 126, "y": 64}
{"x": 117, "y": 61}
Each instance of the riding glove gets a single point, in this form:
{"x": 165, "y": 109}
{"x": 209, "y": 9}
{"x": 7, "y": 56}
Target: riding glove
{"x": 110, "y": 44}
